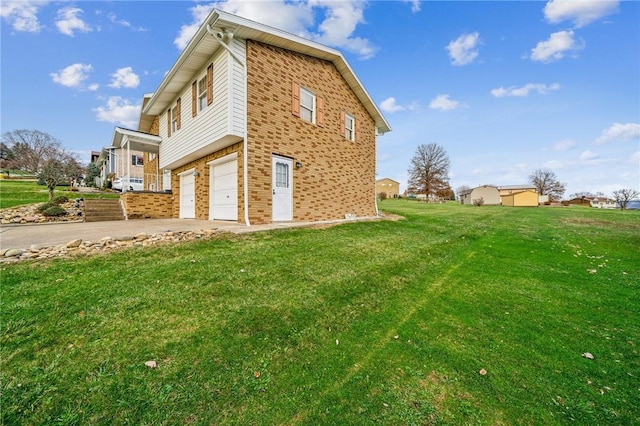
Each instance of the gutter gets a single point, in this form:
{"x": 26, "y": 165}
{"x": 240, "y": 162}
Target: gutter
{"x": 226, "y": 37}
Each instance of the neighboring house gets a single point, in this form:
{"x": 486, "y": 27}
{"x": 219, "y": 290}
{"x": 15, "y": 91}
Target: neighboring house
{"x": 488, "y": 193}
{"x": 389, "y": 187}
{"x": 512, "y": 189}
{"x": 124, "y": 168}
{"x": 255, "y": 125}
{"x": 579, "y": 201}
{"x": 602, "y": 203}
{"x": 528, "y": 198}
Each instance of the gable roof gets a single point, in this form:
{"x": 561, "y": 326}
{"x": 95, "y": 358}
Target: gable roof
{"x": 383, "y": 179}
{"x": 202, "y": 46}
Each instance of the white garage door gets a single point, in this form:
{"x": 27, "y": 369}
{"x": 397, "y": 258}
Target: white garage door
{"x": 187, "y": 196}
{"x": 223, "y": 202}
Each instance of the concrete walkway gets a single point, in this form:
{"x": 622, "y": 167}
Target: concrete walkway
{"x": 53, "y": 234}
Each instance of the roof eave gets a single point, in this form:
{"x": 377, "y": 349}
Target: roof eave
{"x": 266, "y": 34}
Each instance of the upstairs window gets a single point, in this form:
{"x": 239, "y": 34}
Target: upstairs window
{"x": 202, "y": 93}
{"x": 307, "y": 105}
{"x": 349, "y": 127}
{"x": 173, "y": 118}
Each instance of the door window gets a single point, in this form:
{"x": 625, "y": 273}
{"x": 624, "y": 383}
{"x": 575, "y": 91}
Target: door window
{"x": 282, "y": 175}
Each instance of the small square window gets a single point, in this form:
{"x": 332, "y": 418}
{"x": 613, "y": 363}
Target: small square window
{"x": 137, "y": 160}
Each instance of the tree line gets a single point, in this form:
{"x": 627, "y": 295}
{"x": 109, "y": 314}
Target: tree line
{"x": 429, "y": 175}
{"x": 40, "y": 154}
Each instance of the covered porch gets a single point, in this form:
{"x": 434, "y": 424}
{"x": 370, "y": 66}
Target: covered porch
{"x": 131, "y": 178}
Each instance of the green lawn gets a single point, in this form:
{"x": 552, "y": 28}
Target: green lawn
{"x": 362, "y": 323}
{"x": 19, "y": 192}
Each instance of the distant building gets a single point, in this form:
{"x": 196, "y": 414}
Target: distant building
{"x": 602, "y": 203}
{"x": 389, "y": 187}
{"x": 488, "y": 193}
{"x": 528, "y": 198}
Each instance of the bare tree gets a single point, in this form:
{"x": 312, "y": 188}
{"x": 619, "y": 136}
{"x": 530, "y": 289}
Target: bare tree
{"x": 60, "y": 168}
{"x": 623, "y": 196}
{"x": 462, "y": 188}
{"x": 429, "y": 171}
{"x": 30, "y": 149}
{"x": 547, "y": 183}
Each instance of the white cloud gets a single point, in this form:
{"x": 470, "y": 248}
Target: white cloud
{"x": 523, "y": 91}
{"x": 68, "y": 21}
{"x": 390, "y": 105}
{"x": 22, "y": 15}
{"x": 341, "y": 20}
{"x": 119, "y": 111}
{"x": 74, "y": 76}
{"x": 415, "y": 5}
{"x": 622, "y": 132}
{"x": 123, "y": 22}
{"x": 337, "y": 28}
{"x": 443, "y": 103}
{"x": 580, "y": 12}
{"x": 564, "y": 145}
{"x": 463, "y": 50}
{"x": 555, "y": 47}
{"x": 124, "y": 77}
{"x": 588, "y": 155}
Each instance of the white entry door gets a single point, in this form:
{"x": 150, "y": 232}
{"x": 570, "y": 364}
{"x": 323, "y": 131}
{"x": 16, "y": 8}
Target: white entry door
{"x": 282, "y": 188}
{"x": 187, "y": 196}
{"x": 223, "y": 199}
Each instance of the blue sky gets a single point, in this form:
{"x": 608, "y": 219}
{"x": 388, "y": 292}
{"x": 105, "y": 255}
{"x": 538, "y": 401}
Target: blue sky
{"x": 506, "y": 87}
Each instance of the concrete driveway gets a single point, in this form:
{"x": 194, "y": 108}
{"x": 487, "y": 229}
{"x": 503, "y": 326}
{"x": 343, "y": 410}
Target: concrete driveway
{"x": 53, "y": 234}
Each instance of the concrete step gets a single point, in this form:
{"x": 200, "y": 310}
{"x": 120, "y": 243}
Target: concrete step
{"x": 102, "y": 209}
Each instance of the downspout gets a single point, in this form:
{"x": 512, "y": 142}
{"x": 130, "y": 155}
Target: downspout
{"x": 375, "y": 145}
{"x": 224, "y": 36}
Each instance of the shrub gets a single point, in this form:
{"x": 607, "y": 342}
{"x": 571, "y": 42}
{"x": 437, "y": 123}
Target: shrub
{"x": 60, "y": 200}
{"x": 382, "y": 196}
{"x": 55, "y": 211}
{"x": 478, "y": 201}
{"x": 43, "y": 207}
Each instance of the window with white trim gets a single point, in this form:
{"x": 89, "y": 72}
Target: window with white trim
{"x": 307, "y": 105}
{"x": 349, "y": 127}
{"x": 174, "y": 118}
{"x": 137, "y": 160}
{"x": 202, "y": 93}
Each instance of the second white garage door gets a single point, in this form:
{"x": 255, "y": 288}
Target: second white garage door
{"x": 223, "y": 199}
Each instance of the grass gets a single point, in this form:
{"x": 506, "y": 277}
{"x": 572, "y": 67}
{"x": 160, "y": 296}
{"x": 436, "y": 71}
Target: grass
{"x": 362, "y": 323}
{"x": 20, "y": 192}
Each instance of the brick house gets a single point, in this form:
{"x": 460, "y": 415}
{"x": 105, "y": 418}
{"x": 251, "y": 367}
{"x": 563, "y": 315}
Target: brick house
{"x": 389, "y": 187}
{"x": 257, "y": 125}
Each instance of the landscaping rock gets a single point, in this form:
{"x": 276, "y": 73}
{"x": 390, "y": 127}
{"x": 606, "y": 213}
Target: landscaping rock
{"x": 74, "y": 243}
{"x": 13, "y": 253}
{"x": 151, "y": 364}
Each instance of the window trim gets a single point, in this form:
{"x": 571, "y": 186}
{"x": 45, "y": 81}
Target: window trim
{"x": 312, "y": 109}
{"x": 349, "y": 131}
{"x": 137, "y": 160}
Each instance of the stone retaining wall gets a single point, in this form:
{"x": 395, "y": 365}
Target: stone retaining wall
{"x": 78, "y": 247}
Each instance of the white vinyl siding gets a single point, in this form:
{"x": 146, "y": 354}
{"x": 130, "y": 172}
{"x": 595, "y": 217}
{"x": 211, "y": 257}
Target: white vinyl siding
{"x": 217, "y": 126}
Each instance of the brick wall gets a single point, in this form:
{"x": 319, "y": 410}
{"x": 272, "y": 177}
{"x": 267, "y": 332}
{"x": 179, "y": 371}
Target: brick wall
{"x": 148, "y": 205}
{"x": 202, "y": 182}
{"x": 151, "y": 166}
{"x": 337, "y": 176}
